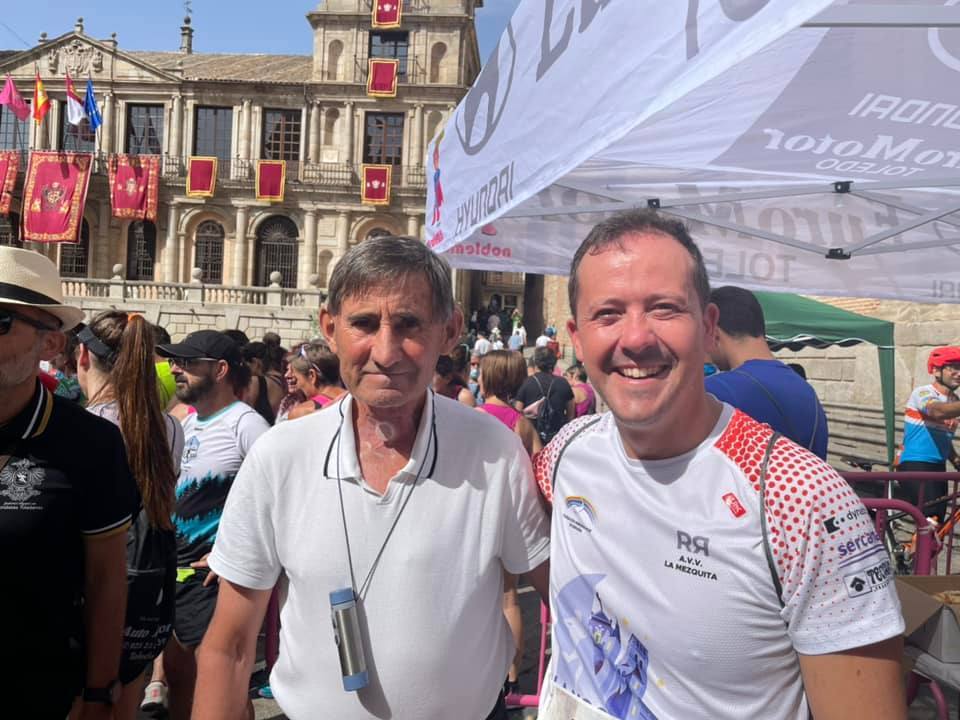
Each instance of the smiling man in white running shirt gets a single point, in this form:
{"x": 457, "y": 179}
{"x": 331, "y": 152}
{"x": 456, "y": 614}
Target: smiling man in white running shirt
{"x": 686, "y": 582}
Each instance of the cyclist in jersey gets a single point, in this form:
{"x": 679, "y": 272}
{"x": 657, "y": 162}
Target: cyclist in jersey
{"x": 755, "y": 381}
{"x": 703, "y": 565}
{"x": 929, "y": 424}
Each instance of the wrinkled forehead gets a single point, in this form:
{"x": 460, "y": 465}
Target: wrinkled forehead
{"x": 408, "y": 294}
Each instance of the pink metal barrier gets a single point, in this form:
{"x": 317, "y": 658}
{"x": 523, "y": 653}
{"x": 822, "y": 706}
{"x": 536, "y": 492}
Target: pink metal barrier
{"x": 534, "y": 700}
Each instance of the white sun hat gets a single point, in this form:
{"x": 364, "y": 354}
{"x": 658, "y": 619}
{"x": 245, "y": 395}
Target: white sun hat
{"x": 29, "y": 278}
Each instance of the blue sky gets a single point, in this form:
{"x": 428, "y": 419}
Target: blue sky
{"x": 275, "y": 26}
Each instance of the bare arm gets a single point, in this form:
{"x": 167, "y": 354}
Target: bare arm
{"x": 942, "y": 410}
{"x": 859, "y": 684}
{"x": 229, "y": 648}
{"x": 105, "y": 598}
{"x": 539, "y": 577}
{"x": 529, "y": 436}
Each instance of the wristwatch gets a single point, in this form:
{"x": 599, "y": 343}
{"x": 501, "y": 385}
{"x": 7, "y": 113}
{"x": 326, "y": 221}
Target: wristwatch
{"x": 108, "y": 695}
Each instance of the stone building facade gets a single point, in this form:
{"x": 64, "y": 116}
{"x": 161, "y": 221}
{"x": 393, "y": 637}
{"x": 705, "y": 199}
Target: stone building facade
{"x": 310, "y": 110}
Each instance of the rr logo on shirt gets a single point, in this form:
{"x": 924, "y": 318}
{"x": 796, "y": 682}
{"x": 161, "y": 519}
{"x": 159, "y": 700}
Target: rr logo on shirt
{"x": 695, "y": 544}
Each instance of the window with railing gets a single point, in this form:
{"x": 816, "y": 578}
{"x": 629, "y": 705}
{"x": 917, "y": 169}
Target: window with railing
{"x": 141, "y": 250}
{"x": 281, "y": 135}
{"x": 392, "y": 45}
{"x": 145, "y": 129}
{"x": 213, "y": 132}
{"x": 208, "y": 251}
{"x": 77, "y": 138}
{"x": 10, "y": 230}
{"x": 14, "y": 133}
{"x": 74, "y": 256}
{"x": 383, "y": 138}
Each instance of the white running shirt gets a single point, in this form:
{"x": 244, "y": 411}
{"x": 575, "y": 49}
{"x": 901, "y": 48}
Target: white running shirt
{"x": 662, "y": 598}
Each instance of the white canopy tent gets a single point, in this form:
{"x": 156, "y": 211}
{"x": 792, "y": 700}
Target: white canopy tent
{"x": 812, "y": 146}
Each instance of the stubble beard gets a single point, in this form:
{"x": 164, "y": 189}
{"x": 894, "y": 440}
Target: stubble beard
{"x": 190, "y": 393}
{"x": 21, "y": 367}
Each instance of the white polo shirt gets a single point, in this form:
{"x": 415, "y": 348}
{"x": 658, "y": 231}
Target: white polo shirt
{"x": 438, "y": 641}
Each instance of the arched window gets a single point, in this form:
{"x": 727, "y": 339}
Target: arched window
{"x": 436, "y": 61}
{"x": 10, "y": 230}
{"x": 277, "y": 251}
{"x": 330, "y": 127}
{"x": 377, "y": 232}
{"x": 73, "y": 256}
{"x": 434, "y": 118}
{"x": 208, "y": 251}
{"x": 141, "y": 250}
{"x": 334, "y": 53}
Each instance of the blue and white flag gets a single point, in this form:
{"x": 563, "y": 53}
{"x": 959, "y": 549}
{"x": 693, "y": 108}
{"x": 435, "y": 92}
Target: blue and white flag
{"x": 90, "y": 106}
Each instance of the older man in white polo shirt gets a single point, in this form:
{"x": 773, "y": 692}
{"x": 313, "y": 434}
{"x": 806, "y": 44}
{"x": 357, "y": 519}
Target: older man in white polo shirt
{"x": 408, "y": 501}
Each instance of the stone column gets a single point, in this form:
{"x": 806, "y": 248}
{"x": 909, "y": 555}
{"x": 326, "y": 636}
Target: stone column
{"x": 101, "y": 250}
{"x": 304, "y": 136}
{"x": 308, "y": 261}
{"x": 413, "y": 226}
{"x": 52, "y": 125}
{"x": 315, "y": 114}
{"x": 416, "y": 142}
{"x": 246, "y": 113}
{"x": 176, "y": 126}
{"x": 348, "y": 134}
{"x": 107, "y": 129}
{"x": 171, "y": 252}
{"x": 343, "y": 239}
{"x": 240, "y": 248}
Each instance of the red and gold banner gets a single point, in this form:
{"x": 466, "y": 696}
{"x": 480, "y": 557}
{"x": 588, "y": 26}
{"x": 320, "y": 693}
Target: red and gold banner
{"x": 201, "y": 176}
{"x": 9, "y": 164}
{"x": 387, "y": 13}
{"x": 54, "y": 195}
{"x": 271, "y": 179}
{"x": 382, "y": 77}
{"x": 134, "y": 186}
{"x": 376, "y": 184}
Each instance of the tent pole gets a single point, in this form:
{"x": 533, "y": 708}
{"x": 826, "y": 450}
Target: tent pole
{"x": 743, "y": 229}
{"x": 902, "y": 228}
{"x": 878, "y": 16}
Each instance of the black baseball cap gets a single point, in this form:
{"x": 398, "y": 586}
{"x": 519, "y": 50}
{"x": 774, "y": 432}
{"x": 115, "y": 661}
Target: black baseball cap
{"x": 204, "y": 344}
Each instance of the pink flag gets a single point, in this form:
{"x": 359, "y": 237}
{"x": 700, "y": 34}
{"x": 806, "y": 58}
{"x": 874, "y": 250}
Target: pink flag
{"x": 12, "y": 99}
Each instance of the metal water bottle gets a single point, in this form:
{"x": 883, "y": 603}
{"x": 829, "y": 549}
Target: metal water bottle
{"x": 346, "y": 633}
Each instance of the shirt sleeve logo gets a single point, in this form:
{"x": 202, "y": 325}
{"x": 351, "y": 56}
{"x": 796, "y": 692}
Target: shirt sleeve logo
{"x": 736, "y": 507}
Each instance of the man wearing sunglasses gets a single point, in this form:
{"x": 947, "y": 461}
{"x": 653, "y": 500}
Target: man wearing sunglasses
{"x": 210, "y": 374}
{"x": 66, "y": 501}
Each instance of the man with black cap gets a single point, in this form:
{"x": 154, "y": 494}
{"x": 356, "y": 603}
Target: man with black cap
{"x": 210, "y": 374}
{"x": 66, "y": 501}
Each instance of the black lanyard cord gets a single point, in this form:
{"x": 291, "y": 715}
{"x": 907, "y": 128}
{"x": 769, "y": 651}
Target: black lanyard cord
{"x": 343, "y": 513}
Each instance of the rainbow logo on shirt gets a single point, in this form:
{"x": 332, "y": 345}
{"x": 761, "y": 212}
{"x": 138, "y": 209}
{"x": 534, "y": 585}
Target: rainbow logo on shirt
{"x": 581, "y": 504}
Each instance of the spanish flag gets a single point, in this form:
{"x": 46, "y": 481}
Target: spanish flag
{"x": 41, "y": 103}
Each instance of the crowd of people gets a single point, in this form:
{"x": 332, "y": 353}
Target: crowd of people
{"x": 155, "y": 494}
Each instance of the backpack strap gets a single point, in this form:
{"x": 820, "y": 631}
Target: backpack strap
{"x": 764, "y": 532}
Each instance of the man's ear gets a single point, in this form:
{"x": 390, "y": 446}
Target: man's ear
{"x": 52, "y": 344}
{"x": 453, "y": 329}
{"x": 575, "y": 337}
{"x": 328, "y": 326}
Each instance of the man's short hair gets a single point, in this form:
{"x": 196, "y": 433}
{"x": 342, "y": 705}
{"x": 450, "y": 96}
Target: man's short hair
{"x": 502, "y": 372}
{"x": 634, "y": 222}
{"x": 389, "y": 261}
{"x": 740, "y": 312}
{"x": 544, "y": 359}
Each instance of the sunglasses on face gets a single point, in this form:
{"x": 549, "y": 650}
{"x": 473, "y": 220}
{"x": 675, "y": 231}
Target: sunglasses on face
{"x": 188, "y": 363}
{"x": 7, "y": 317}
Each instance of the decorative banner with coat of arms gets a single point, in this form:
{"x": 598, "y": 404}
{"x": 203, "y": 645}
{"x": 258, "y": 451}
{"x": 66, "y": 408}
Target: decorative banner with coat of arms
{"x": 375, "y": 189}
{"x": 9, "y": 164}
{"x": 54, "y": 196}
{"x": 386, "y": 13}
{"x": 134, "y": 186}
{"x": 382, "y": 77}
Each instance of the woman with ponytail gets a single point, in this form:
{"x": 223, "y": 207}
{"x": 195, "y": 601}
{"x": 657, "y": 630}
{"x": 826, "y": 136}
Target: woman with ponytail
{"x": 115, "y": 364}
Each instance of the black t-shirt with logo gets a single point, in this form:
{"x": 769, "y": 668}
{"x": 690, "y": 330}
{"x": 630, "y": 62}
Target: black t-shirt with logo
{"x": 66, "y": 478}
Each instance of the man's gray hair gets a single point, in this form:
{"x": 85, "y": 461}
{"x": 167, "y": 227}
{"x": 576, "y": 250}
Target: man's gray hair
{"x": 388, "y": 261}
